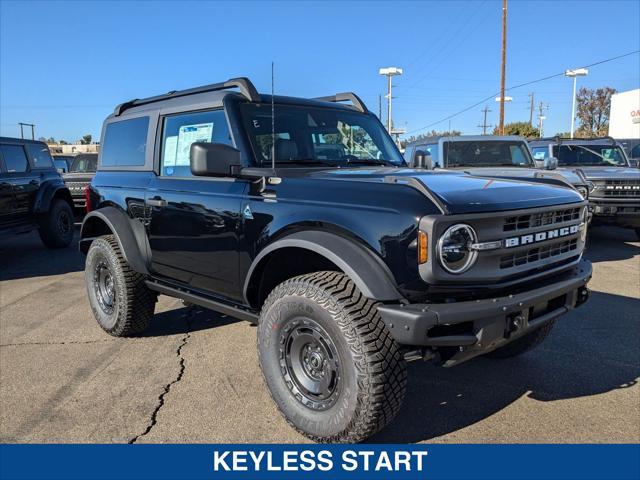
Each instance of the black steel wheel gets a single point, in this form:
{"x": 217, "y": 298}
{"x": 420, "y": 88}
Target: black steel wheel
{"x": 330, "y": 364}
{"x": 310, "y": 363}
{"x": 121, "y": 302}
{"x": 56, "y": 227}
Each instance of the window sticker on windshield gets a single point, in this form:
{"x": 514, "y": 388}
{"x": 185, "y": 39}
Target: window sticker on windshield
{"x": 538, "y": 155}
{"x": 188, "y": 134}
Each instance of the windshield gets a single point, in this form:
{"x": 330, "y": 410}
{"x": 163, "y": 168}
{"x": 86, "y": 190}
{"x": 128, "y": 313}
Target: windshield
{"x": 489, "y": 153}
{"x": 86, "y": 163}
{"x": 61, "y": 164}
{"x": 317, "y": 136}
{"x": 590, "y": 155}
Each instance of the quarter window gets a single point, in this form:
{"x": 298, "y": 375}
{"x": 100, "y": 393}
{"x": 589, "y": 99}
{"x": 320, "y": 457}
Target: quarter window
{"x": 15, "y": 158}
{"x": 180, "y": 131}
{"x": 125, "y": 143}
{"x": 40, "y": 156}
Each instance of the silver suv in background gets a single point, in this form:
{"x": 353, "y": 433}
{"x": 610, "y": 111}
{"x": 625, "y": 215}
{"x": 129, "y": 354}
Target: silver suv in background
{"x": 615, "y": 199}
{"x": 491, "y": 156}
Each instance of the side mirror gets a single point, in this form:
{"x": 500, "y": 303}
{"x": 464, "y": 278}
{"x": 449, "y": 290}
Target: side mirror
{"x": 423, "y": 160}
{"x": 214, "y": 160}
{"x": 550, "y": 163}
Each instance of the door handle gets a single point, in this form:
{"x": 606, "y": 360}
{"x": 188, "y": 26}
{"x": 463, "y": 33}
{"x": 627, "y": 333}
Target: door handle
{"x": 156, "y": 202}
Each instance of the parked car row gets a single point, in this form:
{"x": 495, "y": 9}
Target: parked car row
{"x": 597, "y": 168}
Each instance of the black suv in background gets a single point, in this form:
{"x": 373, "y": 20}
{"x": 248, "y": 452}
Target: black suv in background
{"x": 301, "y": 216}
{"x": 615, "y": 199}
{"x": 81, "y": 172}
{"x": 495, "y": 156}
{"x": 33, "y": 194}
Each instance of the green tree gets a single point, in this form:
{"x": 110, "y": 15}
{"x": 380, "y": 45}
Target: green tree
{"x": 593, "y": 106}
{"x": 432, "y": 133}
{"x": 85, "y": 140}
{"x": 522, "y": 129}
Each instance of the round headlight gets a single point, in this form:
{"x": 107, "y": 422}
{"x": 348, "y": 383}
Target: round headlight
{"x": 584, "y": 191}
{"x": 454, "y": 248}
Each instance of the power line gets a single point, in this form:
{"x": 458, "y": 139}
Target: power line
{"x": 519, "y": 86}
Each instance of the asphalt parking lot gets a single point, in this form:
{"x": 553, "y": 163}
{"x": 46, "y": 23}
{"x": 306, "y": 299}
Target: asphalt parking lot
{"x": 194, "y": 376}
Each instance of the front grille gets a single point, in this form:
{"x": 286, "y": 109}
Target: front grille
{"x": 539, "y": 253}
{"x": 76, "y": 188}
{"x": 618, "y": 188}
{"x": 522, "y": 222}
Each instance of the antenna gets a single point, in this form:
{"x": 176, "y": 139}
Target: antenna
{"x": 273, "y": 124}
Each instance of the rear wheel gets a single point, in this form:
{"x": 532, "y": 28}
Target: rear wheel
{"x": 121, "y": 302}
{"x": 523, "y": 344}
{"x": 330, "y": 364}
{"x": 56, "y": 226}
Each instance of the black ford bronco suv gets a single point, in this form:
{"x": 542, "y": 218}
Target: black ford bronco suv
{"x": 33, "y": 194}
{"x": 615, "y": 198}
{"x": 300, "y": 215}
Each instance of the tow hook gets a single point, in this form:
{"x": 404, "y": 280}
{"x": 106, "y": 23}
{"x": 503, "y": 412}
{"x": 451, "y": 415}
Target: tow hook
{"x": 515, "y": 322}
{"x": 583, "y": 296}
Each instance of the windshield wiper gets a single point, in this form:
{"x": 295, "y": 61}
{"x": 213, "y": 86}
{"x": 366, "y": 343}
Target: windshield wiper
{"x": 310, "y": 162}
{"x": 368, "y": 162}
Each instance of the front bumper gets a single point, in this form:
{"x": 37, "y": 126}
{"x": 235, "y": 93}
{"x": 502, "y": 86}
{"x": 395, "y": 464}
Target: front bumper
{"x": 475, "y": 327}
{"x": 621, "y": 212}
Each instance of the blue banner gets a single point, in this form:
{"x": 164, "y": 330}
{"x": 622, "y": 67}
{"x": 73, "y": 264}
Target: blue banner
{"x": 309, "y": 462}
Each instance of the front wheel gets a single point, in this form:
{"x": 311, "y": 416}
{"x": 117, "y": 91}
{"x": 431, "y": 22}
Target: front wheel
{"x": 330, "y": 364}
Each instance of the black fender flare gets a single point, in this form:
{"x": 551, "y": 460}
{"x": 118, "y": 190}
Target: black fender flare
{"x": 47, "y": 191}
{"x": 366, "y": 269}
{"x": 130, "y": 235}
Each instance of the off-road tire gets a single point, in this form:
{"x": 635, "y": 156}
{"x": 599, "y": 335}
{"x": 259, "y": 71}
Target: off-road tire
{"x": 133, "y": 302}
{"x": 372, "y": 374}
{"x": 523, "y": 344}
{"x": 56, "y": 226}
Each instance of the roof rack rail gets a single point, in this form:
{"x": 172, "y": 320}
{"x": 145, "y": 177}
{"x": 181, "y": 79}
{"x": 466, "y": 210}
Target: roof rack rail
{"x": 244, "y": 84}
{"x": 345, "y": 97}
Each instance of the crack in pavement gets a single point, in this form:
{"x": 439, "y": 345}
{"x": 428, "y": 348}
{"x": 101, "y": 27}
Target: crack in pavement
{"x": 167, "y": 387}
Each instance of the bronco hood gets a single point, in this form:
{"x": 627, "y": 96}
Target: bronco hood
{"x": 559, "y": 177}
{"x": 459, "y": 192}
{"x": 610, "y": 173}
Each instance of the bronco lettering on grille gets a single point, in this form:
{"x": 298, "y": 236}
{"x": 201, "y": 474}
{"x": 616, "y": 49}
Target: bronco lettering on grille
{"x": 540, "y": 236}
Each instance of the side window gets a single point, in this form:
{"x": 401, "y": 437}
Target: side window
{"x": 40, "y": 156}
{"x": 540, "y": 153}
{"x": 432, "y": 149}
{"x": 408, "y": 155}
{"x": 125, "y": 143}
{"x": 15, "y": 158}
{"x": 180, "y": 131}
{"x": 635, "y": 151}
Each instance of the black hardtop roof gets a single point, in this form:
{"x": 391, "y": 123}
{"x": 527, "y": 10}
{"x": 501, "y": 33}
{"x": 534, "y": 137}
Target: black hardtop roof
{"x": 573, "y": 141}
{"x": 21, "y": 140}
{"x": 216, "y": 92}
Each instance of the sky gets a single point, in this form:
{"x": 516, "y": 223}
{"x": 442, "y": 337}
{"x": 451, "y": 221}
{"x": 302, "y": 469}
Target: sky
{"x": 65, "y": 65}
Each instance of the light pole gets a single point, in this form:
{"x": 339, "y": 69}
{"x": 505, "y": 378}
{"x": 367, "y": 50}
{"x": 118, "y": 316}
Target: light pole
{"x": 578, "y": 72}
{"x": 389, "y": 72}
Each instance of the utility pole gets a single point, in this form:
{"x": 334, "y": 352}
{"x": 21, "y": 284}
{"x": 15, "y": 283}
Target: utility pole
{"x": 389, "y": 72}
{"x": 541, "y": 108}
{"x": 379, "y": 107}
{"x": 531, "y": 110}
{"x": 33, "y": 135}
{"x": 503, "y": 66}
{"x": 484, "y": 125}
